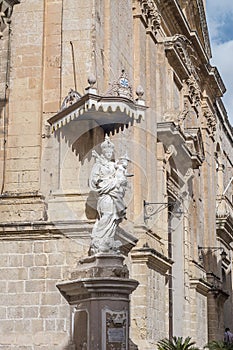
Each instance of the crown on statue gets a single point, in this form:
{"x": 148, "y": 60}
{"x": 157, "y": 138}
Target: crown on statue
{"x": 107, "y": 143}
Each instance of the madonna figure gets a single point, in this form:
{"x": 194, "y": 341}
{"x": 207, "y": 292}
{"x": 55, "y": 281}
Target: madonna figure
{"x": 108, "y": 180}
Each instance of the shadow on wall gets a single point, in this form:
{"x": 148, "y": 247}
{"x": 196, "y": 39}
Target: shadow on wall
{"x": 91, "y": 206}
{"x": 81, "y": 137}
{"x": 84, "y": 135}
{"x": 3, "y": 103}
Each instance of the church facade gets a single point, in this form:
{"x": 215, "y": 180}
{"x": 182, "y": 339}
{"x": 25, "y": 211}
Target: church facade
{"x": 138, "y": 71}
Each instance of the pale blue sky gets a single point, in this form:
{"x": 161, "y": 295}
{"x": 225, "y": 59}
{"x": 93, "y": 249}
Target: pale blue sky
{"x": 220, "y": 24}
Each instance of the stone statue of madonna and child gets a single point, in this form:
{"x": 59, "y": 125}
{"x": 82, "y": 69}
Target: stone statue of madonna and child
{"x": 108, "y": 180}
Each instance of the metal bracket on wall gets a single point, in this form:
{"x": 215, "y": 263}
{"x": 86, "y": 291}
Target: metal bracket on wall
{"x": 200, "y": 251}
{"x": 153, "y": 208}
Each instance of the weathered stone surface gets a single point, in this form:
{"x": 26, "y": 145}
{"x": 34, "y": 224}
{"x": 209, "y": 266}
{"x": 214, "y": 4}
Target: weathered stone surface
{"x": 181, "y": 157}
{"x": 101, "y": 300}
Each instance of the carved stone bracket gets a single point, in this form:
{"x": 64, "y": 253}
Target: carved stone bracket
{"x": 224, "y": 219}
{"x": 149, "y": 13}
{"x": 188, "y": 142}
{"x": 210, "y": 120}
{"x": 194, "y": 143}
{"x": 181, "y": 55}
{"x": 188, "y": 175}
{"x": 183, "y": 114}
{"x": 193, "y": 91}
{"x": 171, "y": 150}
{"x": 201, "y": 286}
{"x": 6, "y": 9}
{"x": 152, "y": 258}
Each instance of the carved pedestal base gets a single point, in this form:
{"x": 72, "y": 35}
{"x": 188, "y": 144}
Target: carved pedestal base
{"x": 100, "y": 290}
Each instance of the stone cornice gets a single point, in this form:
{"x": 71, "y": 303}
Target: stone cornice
{"x": 204, "y": 27}
{"x": 201, "y": 286}
{"x": 222, "y": 116}
{"x": 152, "y": 258}
{"x": 172, "y": 13}
{"x": 178, "y": 23}
{"x": 73, "y": 229}
{"x": 173, "y": 17}
{"x": 216, "y": 79}
{"x": 44, "y": 230}
{"x": 100, "y": 109}
{"x": 91, "y": 288}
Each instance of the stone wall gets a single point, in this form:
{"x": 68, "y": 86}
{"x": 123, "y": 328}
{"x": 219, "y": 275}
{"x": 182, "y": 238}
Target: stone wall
{"x": 34, "y": 315}
{"x": 181, "y": 157}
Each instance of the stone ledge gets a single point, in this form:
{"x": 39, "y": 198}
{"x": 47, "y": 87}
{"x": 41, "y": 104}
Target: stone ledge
{"x": 201, "y": 286}
{"x": 44, "y": 230}
{"x": 97, "y": 288}
{"x": 152, "y": 259}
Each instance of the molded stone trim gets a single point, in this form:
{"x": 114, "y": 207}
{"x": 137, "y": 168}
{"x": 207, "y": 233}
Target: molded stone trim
{"x": 201, "y": 286}
{"x": 152, "y": 258}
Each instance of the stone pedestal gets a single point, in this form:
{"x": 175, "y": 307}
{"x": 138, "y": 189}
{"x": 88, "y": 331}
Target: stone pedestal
{"x": 99, "y": 289}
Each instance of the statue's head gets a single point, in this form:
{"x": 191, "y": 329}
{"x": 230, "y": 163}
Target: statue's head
{"x": 107, "y": 148}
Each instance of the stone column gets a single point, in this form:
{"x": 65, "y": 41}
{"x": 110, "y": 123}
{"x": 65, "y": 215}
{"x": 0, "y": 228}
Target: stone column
{"x": 100, "y": 289}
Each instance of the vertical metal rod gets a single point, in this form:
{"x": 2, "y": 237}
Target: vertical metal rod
{"x": 74, "y": 69}
{"x": 228, "y": 185}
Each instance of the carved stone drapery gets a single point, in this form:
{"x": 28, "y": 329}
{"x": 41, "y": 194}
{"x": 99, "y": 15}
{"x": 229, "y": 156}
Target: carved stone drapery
{"x": 6, "y": 9}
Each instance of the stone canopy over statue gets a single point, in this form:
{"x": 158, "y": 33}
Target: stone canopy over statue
{"x": 108, "y": 180}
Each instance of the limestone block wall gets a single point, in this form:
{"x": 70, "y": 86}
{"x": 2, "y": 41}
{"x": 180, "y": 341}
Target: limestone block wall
{"x": 4, "y": 79}
{"x": 33, "y": 314}
{"x": 24, "y": 110}
{"x": 149, "y": 304}
{"x": 198, "y": 319}
{"x": 54, "y": 46}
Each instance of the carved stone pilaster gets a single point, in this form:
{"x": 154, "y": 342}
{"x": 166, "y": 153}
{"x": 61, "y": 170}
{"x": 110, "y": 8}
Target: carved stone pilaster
{"x": 6, "y": 9}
